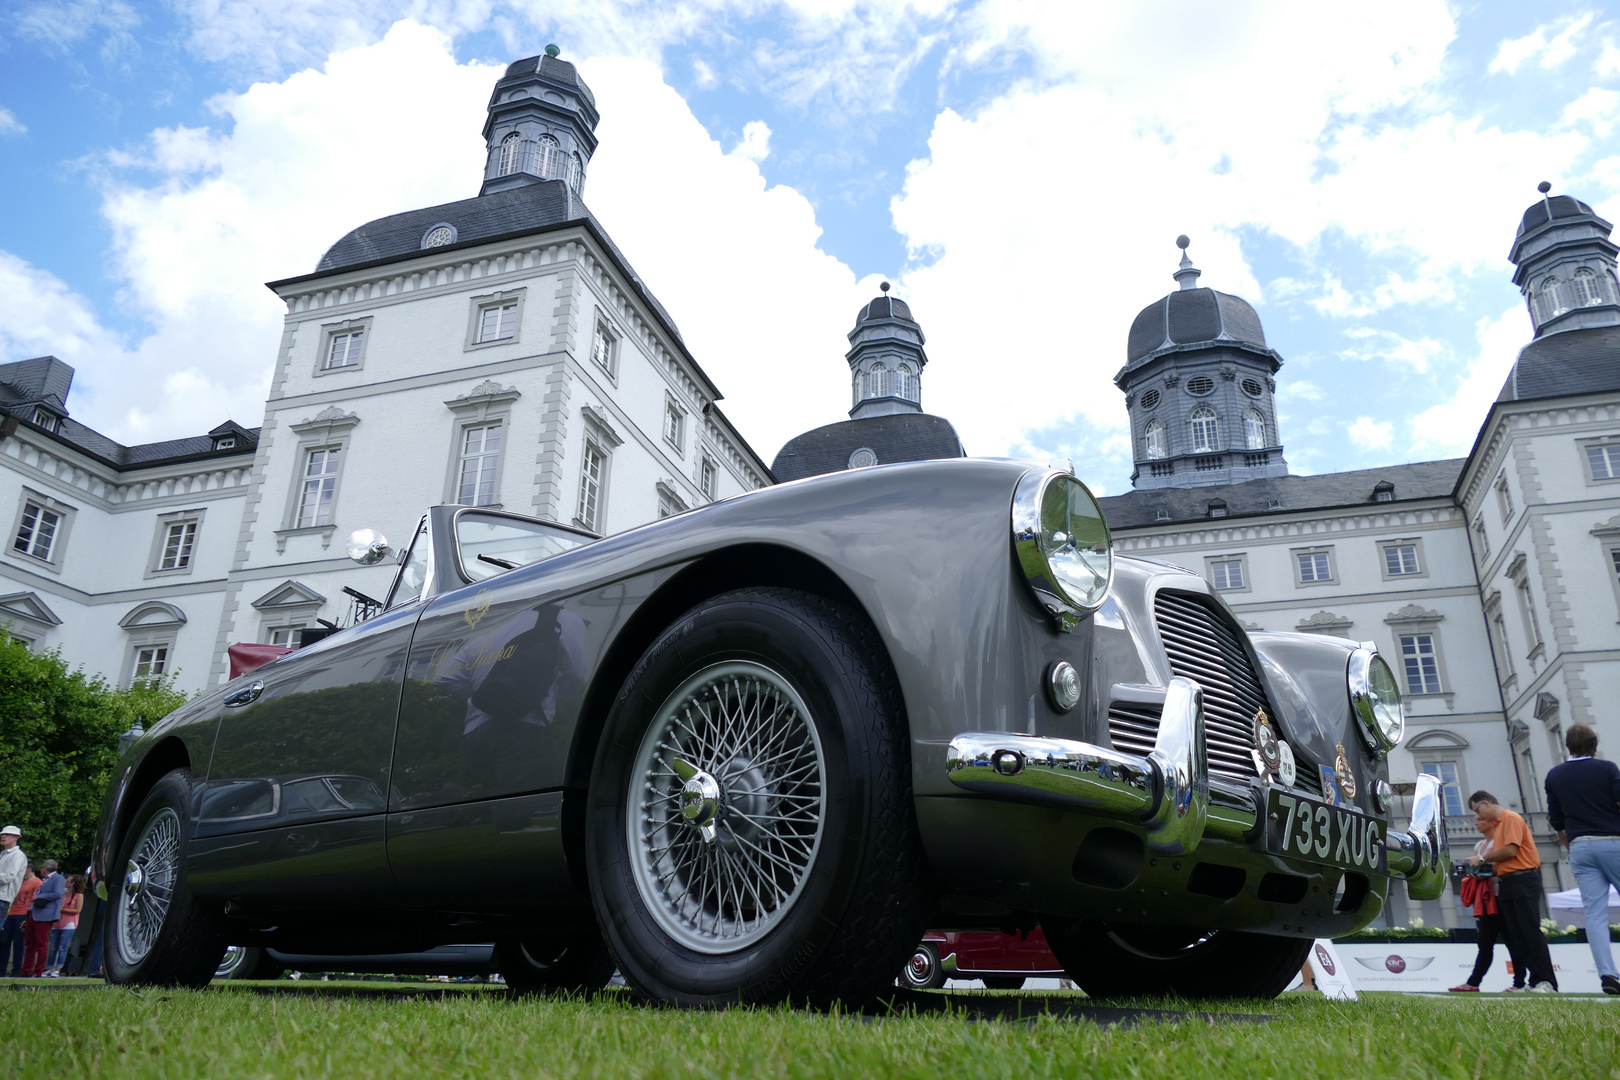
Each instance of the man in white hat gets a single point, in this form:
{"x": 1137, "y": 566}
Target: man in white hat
{"x": 13, "y": 868}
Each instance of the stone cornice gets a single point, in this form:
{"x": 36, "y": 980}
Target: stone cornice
{"x": 110, "y": 490}
{"x": 1436, "y": 514}
{"x": 1512, "y": 417}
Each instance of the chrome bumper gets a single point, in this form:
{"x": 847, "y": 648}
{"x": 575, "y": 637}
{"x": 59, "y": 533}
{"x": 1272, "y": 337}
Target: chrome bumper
{"x": 1167, "y": 792}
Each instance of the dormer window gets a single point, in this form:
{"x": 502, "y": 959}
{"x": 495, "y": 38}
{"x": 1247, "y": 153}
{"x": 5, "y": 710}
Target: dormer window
{"x": 225, "y": 442}
{"x": 44, "y": 419}
{"x": 1217, "y": 508}
{"x": 1384, "y": 492}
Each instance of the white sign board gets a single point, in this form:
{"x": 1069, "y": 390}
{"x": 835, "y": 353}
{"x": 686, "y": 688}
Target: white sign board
{"x": 1422, "y": 967}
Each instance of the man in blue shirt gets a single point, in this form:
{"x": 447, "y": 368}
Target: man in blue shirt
{"x": 1583, "y": 804}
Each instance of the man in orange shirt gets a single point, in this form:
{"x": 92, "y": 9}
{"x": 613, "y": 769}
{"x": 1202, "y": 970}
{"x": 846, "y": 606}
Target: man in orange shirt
{"x": 1518, "y": 889}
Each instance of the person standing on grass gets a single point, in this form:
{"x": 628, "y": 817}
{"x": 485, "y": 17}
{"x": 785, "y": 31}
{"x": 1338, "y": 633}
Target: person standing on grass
{"x": 15, "y": 935}
{"x": 45, "y": 910}
{"x": 1478, "y": 891}
{"x": 13, "y": 868}
{"x": 1518, "y": 890}
{"x": 1583, "y": 805}
{"x": 62, "y": 929}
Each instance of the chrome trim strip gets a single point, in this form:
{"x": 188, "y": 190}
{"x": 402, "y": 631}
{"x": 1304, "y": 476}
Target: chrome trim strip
{"x": 1167, "y": 791}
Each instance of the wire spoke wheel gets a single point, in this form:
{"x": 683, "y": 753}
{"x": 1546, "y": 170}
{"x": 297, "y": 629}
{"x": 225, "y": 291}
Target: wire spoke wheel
{"x": 148, "y": 886}
{"x": 727, "y": 808}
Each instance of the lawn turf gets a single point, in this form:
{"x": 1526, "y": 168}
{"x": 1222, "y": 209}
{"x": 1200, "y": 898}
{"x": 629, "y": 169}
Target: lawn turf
{"x": 371, "y": 1029}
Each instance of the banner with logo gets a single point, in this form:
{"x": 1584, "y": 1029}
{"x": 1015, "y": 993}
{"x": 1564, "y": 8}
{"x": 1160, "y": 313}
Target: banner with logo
{"x": 1422, "y": 967}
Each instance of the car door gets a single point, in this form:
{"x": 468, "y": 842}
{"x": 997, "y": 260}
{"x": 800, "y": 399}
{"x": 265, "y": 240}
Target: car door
{"x": 493, "y": 669}
{"x": 293, "y": 811}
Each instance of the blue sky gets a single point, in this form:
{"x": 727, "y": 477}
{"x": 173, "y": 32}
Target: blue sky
{"x": 1018, "y": 169}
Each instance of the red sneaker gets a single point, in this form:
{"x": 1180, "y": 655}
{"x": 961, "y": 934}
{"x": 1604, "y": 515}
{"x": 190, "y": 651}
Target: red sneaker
{"x": 1465, "y": 988}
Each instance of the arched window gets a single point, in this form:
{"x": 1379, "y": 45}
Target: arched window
{"x": 1204, "y": 434}
{"x": 1611, "y": 288}
{"x": 1584, "y": 289}
{"x": 856, "y": 381}
{"x": 1254, "y": 430}
{"x": 1154, "y": 441}
{"x": 547, "y": 158}
{"x": 576, "y": 173}
{"x": 509, "y": 154}
{"x": 1549, "y": 302}
{"x": 877, "y": 382}
{"x": 905, "y": 383}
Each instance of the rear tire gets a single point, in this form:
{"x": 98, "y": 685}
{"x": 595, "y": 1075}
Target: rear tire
{"x": 1127, "y": 961}
{"x": 792, "y": 747}
{"x": 574, "y": 960}
{"x": 157, "y": 933}
{"x": 247, "y": 962}
{"x": 1003, "y": 982}
{"x": 923, "y": 970}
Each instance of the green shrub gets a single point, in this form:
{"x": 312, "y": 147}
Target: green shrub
{"x": 58, "y": 746}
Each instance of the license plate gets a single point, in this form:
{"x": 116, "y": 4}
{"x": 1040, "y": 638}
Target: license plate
{"x": 1304, "y": 828}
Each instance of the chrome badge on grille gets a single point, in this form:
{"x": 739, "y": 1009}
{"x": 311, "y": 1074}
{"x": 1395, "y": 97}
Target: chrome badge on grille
{"x": 1342, "y": 773}
{"x": 1267, "y": 751}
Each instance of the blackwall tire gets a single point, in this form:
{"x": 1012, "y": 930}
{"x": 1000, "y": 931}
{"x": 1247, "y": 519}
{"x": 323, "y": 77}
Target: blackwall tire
{"x": 1132, "y": 960}
{"x": 573, "y": 960}
{"x": 157, "y": 934}
{"x": 923, "y": 971}
{"x": 247, "y": 962}
{"x": 1003, "y": 982}
{"x": 812, "y": 887}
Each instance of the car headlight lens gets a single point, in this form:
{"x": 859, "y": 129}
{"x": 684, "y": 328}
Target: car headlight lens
{"x": 1376, "y": 698}
{"x": 1062, "y": 544}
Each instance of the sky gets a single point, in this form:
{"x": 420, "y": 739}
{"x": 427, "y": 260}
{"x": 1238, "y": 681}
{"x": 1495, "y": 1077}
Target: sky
{"x": 1018, "y": 169}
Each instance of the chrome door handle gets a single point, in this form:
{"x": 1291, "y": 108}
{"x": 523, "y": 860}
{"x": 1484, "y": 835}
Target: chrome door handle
{"x": 245, "y": 696}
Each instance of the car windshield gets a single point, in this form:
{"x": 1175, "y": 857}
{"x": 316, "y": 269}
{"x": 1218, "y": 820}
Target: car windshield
{"x": 408, "y": 585}
{"x": 491, "y": 544}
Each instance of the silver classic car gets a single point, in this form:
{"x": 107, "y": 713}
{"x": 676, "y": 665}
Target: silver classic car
{"x": 750, "y": 752}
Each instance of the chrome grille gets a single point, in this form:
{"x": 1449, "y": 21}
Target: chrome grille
{"x": 1133, "y": 727}
{"x": 1202, "y": 647}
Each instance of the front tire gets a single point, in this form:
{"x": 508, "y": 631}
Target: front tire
{"x": 751, "y": 836}
{"x": 1124, "y": 960}
{"x": 157, "y": 933}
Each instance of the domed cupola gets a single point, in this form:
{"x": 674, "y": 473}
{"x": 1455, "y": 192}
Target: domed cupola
{"x": 886, "y": 359}
{"x": 1199, "y": 383}
{"x": 541, "y": 125}
{"x": 1565, "y": 265}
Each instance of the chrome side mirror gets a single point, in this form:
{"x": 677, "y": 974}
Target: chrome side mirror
{"x": 368, "y": 547}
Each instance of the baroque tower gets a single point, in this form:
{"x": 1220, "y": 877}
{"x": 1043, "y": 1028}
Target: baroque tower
{"x": 541, "y": 125}
{"x": 886, "y": 359}
{"x": 1200, "y": 385}
{"x": 1565, "y": 265}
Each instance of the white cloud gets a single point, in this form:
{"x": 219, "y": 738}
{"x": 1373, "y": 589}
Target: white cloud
{"x": 1370, "y": 434}
{"x": 1450, "y": 427}
{"x": 59, "y": 24}
{"x": 9, "y": 124}
{"x": 704, "y": 74}
{"x": 1607, "y": 65}
{"x": 1598, "y": 107}
{"x": 1554, "y": 42}
{"x": 755, "y": 144}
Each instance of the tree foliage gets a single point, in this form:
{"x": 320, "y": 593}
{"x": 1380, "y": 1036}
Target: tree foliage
{"x": 59, "y": 744}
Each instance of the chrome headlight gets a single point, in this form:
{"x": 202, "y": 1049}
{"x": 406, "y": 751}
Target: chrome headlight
{"x": 1062, "y": 545}
{"x": 1377, "y": 701}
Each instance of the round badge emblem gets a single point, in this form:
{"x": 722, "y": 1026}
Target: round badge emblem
{"x": 1341, "y": 770}
{"x": 1267, "y": 756}
{"x": 1395, "y": 964}
{"x": 1287, "y": 771}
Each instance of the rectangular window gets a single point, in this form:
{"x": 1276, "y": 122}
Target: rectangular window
{"x": 1446, "y": 773}
{"x": 1604, "y": 461}
{"x": 286, "y": 636}
{"x": 1400, "y": 560}
{"x": 590, "y": 486}
{"x": 1504, "y": 500}
{"x": 1527, "y": 611}
{"x": 674, "y": 422}
{"x": 178, "y": 541}
{"x": 480, "y": 457}
{"x": 497, "y": 322}
{"x": 707, "y": 475}
{"x": 1499, "y": 645}
{"x": 1480, "y": 535}
{"x": 1227, "y": 574}
{"x": 319, "y": 491}
{"x": 36, "y": 534}
{"x": 344, "y": 350}
{"x": 1422, "y": 664}
{"x": 151, "y": 662}
{"x": 1614, "y": 562}
{"x": 602, "y": 342}
{"x": 1314, "y": 566}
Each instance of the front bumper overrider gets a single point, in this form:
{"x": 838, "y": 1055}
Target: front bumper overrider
{"x": 1168, "y": 793}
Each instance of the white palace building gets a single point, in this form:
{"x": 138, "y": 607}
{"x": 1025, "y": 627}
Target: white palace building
{"x": 500, "y": 351}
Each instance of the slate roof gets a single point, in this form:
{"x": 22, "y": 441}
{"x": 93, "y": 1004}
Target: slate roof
{"x": 550, "y": 67}
{"x": 1560, "y": 206}
{"x": 45, "y": 380}
{"x": 1418, "y": 480}
{"x": 1583, "y": 361}
{"x": 885, "y": 307}
{"x": 897, "y": 438}
{"x": 529, "y": 208}
{"x": 1193, "y": 316}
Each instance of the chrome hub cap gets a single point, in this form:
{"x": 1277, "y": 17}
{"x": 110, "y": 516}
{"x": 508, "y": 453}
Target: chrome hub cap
{"x": 149, "y": 881}
{"x": 726, "y": 814}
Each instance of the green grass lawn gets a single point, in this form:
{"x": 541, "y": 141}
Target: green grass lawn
{"x": 316, "y": 1029}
